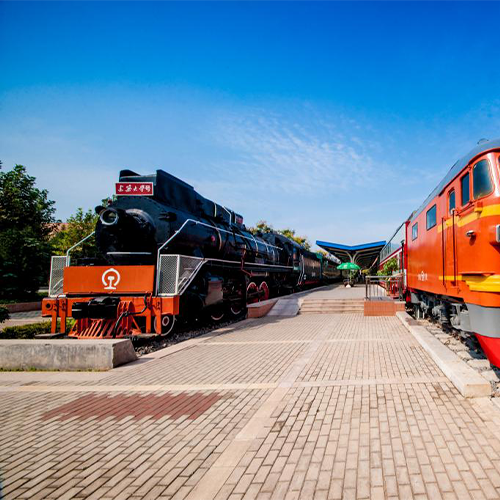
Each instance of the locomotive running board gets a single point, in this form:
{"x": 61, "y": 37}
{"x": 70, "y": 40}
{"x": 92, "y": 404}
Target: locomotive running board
{"x": 176, "y": 272}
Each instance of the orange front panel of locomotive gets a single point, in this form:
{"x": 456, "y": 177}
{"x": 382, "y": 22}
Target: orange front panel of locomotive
{"x": 108, "y": 280}
{"x": 460, "y": 255}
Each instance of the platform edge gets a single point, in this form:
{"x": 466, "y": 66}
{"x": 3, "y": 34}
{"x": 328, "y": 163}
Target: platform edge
{"x": 468, "y": 382}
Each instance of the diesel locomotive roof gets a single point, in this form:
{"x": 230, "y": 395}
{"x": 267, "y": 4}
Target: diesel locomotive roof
{"x": 455, "y": 170}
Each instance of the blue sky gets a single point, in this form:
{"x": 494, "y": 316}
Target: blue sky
{"x": 333, "y": 118}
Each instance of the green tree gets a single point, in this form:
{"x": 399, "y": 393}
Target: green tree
{"x": 26, "y": 221}
{"x": 290, "y": 233}
{"x": 389, "y": 267}
{"x": 77, "y": 227}
{"x": 261, "y": 227}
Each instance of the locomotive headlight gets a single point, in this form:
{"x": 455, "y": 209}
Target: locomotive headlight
{"x": 109, "y": 217}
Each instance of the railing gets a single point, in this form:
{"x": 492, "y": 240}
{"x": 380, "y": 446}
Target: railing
{"x": 68, "y": 256}
{"x": 175, "y": 273}
{"x": 57, "y": 265}
{"x": 384, "y": 287}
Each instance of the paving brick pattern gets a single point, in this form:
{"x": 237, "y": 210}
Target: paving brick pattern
{"x": 23, "y": 318}
{"x": 258, "y": 362}
{"x": 136, "y": 406}
{"x": 317, "y": 406}
{"x": 27, "y": 315}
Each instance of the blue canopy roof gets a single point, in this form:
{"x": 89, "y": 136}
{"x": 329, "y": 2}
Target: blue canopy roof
{"x": 364, "y": 255}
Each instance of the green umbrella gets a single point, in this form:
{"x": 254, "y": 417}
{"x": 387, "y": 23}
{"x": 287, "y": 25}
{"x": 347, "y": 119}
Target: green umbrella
{"x": 349, "y": 265}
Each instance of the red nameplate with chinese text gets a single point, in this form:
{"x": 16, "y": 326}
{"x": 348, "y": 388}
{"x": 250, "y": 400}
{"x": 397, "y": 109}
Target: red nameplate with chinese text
{"x": 134, "y": 188}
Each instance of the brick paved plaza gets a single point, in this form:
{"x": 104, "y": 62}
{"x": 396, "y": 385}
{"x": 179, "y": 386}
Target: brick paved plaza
{"x": 314, "y": 406}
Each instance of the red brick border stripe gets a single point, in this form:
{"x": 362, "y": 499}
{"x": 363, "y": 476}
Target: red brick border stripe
{"x": 137, "y": 406}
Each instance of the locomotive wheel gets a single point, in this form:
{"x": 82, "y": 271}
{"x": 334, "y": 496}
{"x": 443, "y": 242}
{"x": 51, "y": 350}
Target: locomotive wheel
{"x": 236, "y": 309}
{"x": 264, "y": 291}
{"x": 167, "y": 324}
{"x": 419, "y": 314}
{"x": 217, "y": 313}
{"x": 252, "y": 293}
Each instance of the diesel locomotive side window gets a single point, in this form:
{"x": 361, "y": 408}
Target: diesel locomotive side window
{"x": 481, "y": 180}
{"x": 465, "y": 184}
{"x": 451, "y": 201}
{"x": 414, "y": 231}
{"x": 431, "y": 217}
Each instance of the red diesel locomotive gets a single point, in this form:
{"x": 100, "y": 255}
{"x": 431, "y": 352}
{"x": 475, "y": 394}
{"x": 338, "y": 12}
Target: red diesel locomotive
{"x": 452, "y": 250}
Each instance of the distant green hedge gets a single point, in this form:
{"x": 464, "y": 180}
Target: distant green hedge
{"x": 29, "y": 331}
{"x": 25, "y": 331}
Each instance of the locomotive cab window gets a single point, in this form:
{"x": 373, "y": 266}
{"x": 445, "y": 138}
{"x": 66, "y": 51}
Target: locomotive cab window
{"x": 414, "y": 231}
{"x": 481, "y": 179}
{"x": 465, "y": 185}
{"x": 431, "y": 217}
{"x": 451, "y": 201}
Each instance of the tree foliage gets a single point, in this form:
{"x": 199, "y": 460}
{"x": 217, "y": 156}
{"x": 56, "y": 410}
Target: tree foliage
{"x": 26, "y": 218}
{"x": 77, "y": 227}
{"x": 389, "y": 267}
{"x": 4, "y": 314}
{"x": 301, "y": 240}
{"x": 263, "y": 227}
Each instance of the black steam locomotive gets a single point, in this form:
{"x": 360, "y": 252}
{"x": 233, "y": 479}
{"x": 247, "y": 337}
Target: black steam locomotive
{"x": 201, "y": 253}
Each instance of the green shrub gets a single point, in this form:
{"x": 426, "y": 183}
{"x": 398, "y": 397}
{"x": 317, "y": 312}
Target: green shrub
{"x": 4, "y": 314}
{"x": 25, "y": 331}
{"x": 29, "y": 331}
{"x": 389, "y": 267}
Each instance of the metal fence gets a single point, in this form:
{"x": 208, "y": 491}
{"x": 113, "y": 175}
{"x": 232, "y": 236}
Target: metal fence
{"x": 175, "y": 273}
{"x": 384, "y": 287}
{"x": 57, "y": 265}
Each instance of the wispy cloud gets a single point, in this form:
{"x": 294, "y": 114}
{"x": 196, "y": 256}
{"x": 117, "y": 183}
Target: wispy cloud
{"x": 276, "y": 154}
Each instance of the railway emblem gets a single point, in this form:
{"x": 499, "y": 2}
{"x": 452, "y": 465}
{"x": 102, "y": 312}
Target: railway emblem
{"x": 110, "y": 279}
{"x": 422, "y": 276}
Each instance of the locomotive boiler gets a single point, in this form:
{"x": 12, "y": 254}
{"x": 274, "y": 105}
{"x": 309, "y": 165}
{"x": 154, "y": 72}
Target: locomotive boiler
{"x": 168, "y": 253}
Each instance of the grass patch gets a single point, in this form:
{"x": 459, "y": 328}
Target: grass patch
{"x": 25, "y": 331}
{"x": 29, "y": 331}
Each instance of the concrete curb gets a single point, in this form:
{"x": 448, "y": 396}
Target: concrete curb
{"x": 286, "y": 307}
{"x": 468, "y": 382}
{"x": 260, "y": 309}
{"x": 65, "y": 355}
{"x": 24, "y": 306}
